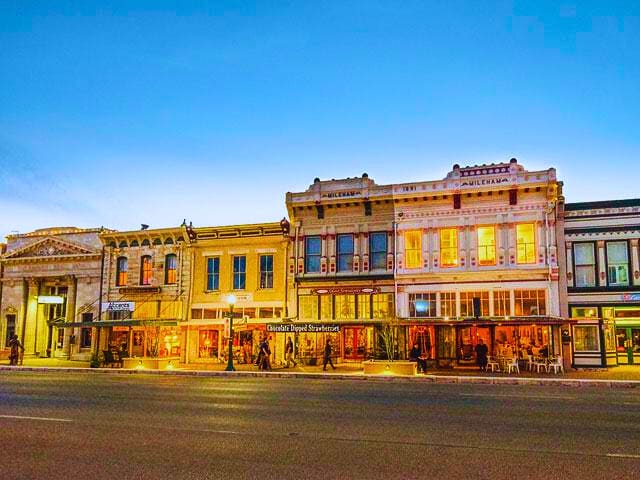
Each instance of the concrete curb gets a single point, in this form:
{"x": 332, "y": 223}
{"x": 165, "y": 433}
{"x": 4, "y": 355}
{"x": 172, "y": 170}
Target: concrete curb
{"x": 564, "y": 382}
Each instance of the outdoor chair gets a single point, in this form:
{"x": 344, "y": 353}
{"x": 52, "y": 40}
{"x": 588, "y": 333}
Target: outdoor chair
{"x": 493, "y": 364}
{"x": 109, "y": 358}
{"x": 513, "y": 366}
{"x": 540, "y": 365}
{"x": 556, "y": 365}
{"x": 530, "y": 364}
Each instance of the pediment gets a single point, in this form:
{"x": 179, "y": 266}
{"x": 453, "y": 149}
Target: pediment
{"x": 50, "y": 247}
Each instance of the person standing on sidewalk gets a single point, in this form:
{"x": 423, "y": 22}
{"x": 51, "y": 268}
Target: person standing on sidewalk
{"x": 327, "y": 356}
{"x": 288, "y": 353}
{"x": 481, "y": 355}
{"x": 14, "y": 344}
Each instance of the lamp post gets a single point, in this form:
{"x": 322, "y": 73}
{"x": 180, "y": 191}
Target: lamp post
{"x": 231, "y": 300}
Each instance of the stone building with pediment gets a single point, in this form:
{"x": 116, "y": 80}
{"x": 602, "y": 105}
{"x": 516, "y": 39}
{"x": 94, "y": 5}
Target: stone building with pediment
{"x": 49, "y": 280}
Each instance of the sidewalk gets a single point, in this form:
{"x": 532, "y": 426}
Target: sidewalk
{"x": 623, "y": 375}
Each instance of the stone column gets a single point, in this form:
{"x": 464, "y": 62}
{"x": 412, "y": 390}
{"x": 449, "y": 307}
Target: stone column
{"x": 72, "y": 294}
{"x": 30, "y": 316}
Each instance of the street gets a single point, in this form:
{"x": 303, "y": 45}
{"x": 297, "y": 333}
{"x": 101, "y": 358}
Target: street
{"x": 102, "y": 426}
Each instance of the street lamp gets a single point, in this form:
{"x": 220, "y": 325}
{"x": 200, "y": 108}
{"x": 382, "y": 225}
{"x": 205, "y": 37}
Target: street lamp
{"x": 231, "y": 300}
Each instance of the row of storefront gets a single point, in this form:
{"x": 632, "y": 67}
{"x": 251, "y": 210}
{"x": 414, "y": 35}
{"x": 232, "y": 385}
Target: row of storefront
{"x": 372, "y": 269}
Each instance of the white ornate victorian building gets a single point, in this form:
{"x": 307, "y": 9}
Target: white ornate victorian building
{"x": 477, "y": 259}
{"x": 51, "y": 278}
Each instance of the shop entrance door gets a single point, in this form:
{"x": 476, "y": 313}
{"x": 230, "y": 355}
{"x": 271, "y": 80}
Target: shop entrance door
{"x": 628, "y": 345}
{"x": 355, "y": 343}
{"x": 467, "y": 340}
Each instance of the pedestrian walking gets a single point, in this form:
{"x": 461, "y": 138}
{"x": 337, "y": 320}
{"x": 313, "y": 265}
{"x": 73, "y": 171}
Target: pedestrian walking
{"x": 327, "y": 356}
{"x": 288, "y": 353}
{"x": 481, "y": 355}
{"x": 15, "y": 346}
{"x": 265, "y": 353}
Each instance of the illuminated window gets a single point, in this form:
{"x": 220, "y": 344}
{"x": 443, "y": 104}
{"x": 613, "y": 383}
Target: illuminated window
{"x": 308, "y": 307}
{"x": 266, "y": 271}
{"x": 382, "y": 305}
{"x": 413, "y": 249}
{"x": 239, "y": 272}
{"x": 466, "y": 303}
{"x": 448, "y": 304}
{"x": 171, "y": 269}
{"x": 146, "y": 270}
{"x": 345, "y": 306}
{"x": 617, "y": 263}
{"x": 312, "y": 247}
{"x": 326, "y": 307}
{"x": 486, "y": 245}
{"x": 122, "y": 267}
{"x": 448, "y": 247}
{"x": 422, "y": 304}
{"x": 585, "y": 264}
{"x": 501, "y": 303}
{"x": 208, "y": 343}
{"x": 530, "y": 302}
{"x": 378, "y": 251}
{"x": 586, "y": 338}
{"x": 345, "y": 253}
{"x": 526, "y": 243}
{"x": 364, "y": 306}
{"x": 213, "y": 273}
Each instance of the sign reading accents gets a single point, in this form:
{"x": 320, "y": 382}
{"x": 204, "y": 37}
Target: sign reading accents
{"x": 118, "y": 306}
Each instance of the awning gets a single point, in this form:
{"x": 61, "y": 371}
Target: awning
{"x": 120, "y": 323}
{"x": 488, "y": 321}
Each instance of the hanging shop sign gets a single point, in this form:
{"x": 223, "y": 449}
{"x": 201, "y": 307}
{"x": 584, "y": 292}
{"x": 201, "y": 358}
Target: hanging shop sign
{"x": 344, "y": 290}
{"x": 118, "y": 306}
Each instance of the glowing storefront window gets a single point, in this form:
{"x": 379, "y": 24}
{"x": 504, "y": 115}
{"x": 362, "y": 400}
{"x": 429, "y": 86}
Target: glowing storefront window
{"x": 382, "y": 305}
{"x": 448, "y": 247}
{"x": 530, "y": 302}
{"x": 326, "y": 307}
{"x": 501, "y": 303}
{"x": 413, "y": 249}
{"x": 584, "y": 312}
{"x": 345, "y": 306}
{"x": 487, "y": 245}
{"x": 308, "y": 307}
{"x": 586, "y": 338}
{"x": 526, "y": 243}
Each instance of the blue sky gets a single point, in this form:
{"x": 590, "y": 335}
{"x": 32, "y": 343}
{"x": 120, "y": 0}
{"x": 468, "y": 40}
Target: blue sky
{"x": 121, "y": 113}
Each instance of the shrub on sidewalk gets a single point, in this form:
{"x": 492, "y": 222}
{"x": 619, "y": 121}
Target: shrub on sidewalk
{"x": 95, "y": 361}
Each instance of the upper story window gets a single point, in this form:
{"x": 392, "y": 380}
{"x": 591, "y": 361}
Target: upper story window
{"x": 266, "y": 271}
{"x": 501, "y": 303}
{"x": 526, "y": 243}
{"x": 584, "y": 258}
{"x": 487, "y": 245}
{"x": 213, "y": 273}
{"x": 171, "y": 269}
{"x": 122, "y": 268}
{"x": 312, "y": 252}
{"x": 378, "y": 250}
{"x": 422, "y": 304}
{"x": 345, "y": 253}
{"x": 413, "y": 249}
{"x": 618, "y": 263}
{"x": 448, "y": 247}
{"x": 530, "y": 302}
{"x": 468, "y": 304}
{"x": 239, "y": 272}
{"x": 146, "y": 270}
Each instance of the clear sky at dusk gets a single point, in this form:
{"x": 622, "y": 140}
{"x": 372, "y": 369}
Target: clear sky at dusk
{"x": 121, "y": 113}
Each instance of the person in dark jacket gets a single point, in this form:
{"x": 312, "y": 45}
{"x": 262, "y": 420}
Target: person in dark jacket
{"x": 327, "y": 356}
{"x": 14, "y": 344}
{"x": 481, "y": 355}
{"x": 288, "y": 353}
{"x": 415, "y": 355}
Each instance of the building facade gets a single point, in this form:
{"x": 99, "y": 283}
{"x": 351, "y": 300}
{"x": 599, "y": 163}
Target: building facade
{"x": 342, "y": 263}
{"x": 145, "y": 287}
{"x": 50, "y": 282}
{"x": 477, "y": 260}
{"x": 603, "y": 281}
{"x": 247, "y": 262}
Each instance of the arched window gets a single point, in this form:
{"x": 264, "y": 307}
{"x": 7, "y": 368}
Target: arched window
{"x": 170, "y": 269}
{"x": 122, "y": 266}
{"x": 146, "y": 270}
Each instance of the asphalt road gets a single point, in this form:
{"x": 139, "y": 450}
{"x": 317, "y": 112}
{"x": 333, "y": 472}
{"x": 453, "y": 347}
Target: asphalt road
{"x": 93, "y": 427}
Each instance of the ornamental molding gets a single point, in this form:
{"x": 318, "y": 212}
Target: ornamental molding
{"x": 50, "y": 249}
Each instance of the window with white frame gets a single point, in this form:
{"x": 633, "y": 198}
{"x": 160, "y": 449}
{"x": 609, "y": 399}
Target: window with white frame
{"x": 584, "y": 259}
{"x": 617, "y": 263}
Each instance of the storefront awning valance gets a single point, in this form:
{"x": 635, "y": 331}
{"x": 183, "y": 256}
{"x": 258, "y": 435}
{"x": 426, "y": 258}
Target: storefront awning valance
{"x": 121, "y": 323}
{"x": 487, "y": 321}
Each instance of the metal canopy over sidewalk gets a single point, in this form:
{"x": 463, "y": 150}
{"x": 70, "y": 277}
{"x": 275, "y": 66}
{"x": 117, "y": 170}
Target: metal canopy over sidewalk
{"x": 121, "y": 323}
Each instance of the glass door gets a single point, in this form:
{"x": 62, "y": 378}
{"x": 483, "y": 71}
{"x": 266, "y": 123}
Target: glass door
{"x": 624, "y": 345}
{"x": 355, "y": 343}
